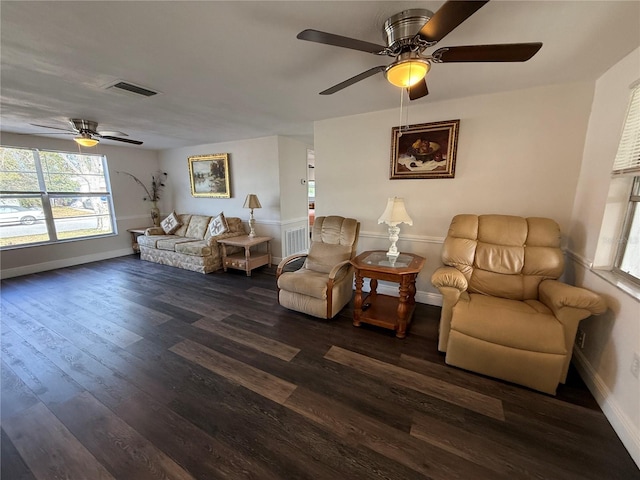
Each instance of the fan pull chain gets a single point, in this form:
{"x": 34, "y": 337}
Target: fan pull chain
{"x": 406, "y": 119}
{"x": 400, "y": 121}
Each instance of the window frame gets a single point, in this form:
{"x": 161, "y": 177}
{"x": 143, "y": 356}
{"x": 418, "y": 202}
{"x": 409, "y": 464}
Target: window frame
{"x": 623, "y": 243}
{"x": 46, "y": 198}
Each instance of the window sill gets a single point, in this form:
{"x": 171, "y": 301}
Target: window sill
{"x": 619, "y": 282}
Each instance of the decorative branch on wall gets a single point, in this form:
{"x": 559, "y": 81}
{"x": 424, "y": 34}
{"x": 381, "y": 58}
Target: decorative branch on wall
{"x": 153, "y": 193}
{"x": 426, "y": 150}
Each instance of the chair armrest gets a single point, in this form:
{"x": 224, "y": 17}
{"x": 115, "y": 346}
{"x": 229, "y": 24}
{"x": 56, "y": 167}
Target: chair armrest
{"x": 557, "y": 296}
{"x": 154, "y": 231}
{"x": 452, "y": 284}
{"x": 449, "y": 277}
{"x": 283, "y": 263}
{"x": 334, "y": 271}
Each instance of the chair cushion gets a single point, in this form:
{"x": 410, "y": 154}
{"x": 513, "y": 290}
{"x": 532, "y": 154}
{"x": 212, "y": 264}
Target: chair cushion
{"x": 152, "y": 240}
{"x": 305, "y": 282}
{"x": 171, "y": 242}
{"x": 323, "y": 257}
{"x": 333, "y": 240}
{"x": 184, "y": 219}
{"x": 197, "y": 226}
{"x": 199, "y": 248}
{"x": 527, "y": 325}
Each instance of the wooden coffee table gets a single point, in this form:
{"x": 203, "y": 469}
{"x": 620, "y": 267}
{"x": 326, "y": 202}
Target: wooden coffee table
{"x": 249, "y": 260}
{"x": 383, "y": 310}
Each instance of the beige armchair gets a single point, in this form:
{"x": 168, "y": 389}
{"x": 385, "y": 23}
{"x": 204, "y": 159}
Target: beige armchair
{"x": 324, "y": 284}
{"x": 504, "y": 314}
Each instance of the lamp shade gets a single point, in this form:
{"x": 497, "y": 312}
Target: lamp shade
{"x": 252, "y": 201}
{"x": 406, "y": 73}
{"x": 86, "y": 140}
{"x": 395, "y": 213}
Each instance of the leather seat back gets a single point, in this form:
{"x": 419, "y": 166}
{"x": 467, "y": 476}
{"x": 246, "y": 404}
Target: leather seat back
{"x": 502, "y": 255}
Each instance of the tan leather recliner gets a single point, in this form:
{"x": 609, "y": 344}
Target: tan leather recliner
{"x": 324, "y": 284}
{"x": 504, "y": 314}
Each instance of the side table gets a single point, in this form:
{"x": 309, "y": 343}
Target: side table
{"x": 384, "y": 310}
{"x": 134, "y": 237}
{"x": 249, "y": 260}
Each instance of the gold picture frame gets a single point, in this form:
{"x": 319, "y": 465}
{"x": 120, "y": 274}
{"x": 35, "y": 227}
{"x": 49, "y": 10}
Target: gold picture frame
{"x": 209, "y": 175}
{"x": 426, "y": 150}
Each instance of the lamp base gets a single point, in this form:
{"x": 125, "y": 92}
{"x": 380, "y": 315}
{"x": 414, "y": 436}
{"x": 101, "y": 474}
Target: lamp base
{"x": 394, "y": 235}
{"x": 252, "y": 224}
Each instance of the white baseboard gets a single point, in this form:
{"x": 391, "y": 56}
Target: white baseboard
{"x": 623, "y": 426}
{"x": 66, "y": 262}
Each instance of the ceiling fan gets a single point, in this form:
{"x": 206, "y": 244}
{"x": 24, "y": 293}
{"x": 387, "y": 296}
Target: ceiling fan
{"x": 88, "y": 133}
{"x": 409, "y": 33}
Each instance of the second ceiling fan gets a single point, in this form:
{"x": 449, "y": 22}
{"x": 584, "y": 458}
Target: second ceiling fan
{"x": 409, "y": 33}
{"x": 88, "y": 134}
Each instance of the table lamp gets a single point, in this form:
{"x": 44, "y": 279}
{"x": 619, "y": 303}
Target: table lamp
{"x": 252, "y": 202}
{"x": 394, "y": 214}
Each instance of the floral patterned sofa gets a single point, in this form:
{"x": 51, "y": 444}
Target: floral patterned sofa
{"x": 192, "y": 241}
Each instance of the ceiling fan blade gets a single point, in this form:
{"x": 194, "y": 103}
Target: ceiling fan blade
{"x": 54, "y": 128}
{"x": 118, "y": 139}
{"x": 339, "y": 41}
{"x": 114, "y": 133}
{"x": 508, "y": 52}
{"x": 418, "y": 90}
{"x": 448, "y": 17}
{"x": 352, "y": 80}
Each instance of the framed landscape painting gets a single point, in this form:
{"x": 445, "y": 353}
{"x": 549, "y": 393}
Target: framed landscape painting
{"x": 209, "y": 175}
{"x": 426, "y": 150}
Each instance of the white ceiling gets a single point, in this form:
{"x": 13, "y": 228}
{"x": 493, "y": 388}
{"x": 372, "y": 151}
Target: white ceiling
{"x": 235, "y": 70}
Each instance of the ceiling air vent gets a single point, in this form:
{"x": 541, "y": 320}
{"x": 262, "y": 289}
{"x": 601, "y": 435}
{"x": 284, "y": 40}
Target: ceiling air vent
{"x": 131, "y": 88}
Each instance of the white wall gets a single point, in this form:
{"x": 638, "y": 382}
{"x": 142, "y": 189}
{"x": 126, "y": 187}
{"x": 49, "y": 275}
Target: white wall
{"x": 518, "y": 153}
{"x": 131, "y": 211}
{"x": 611, "y": 339}
{"x": 255, "y": 166}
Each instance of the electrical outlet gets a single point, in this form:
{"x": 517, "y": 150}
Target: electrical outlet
{"x": 580, "y": 338}
{"x": 635, "y": 365}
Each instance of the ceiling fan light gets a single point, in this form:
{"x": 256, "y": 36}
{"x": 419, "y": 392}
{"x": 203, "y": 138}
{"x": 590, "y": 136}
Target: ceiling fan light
{"x": 86, "y": 141}
{"x": 406, "y": 73}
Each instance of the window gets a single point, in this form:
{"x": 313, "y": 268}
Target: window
{"x": 48, "y": 196}
{"x": 627, "y": 164}
{"x": 628, "y": 255}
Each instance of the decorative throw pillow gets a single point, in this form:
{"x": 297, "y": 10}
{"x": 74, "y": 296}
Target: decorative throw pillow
{"x": 170, "y": 224}
{"x": 218, "y": 225}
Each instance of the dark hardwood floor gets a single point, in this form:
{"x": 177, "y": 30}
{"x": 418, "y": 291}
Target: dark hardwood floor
{"x": 130, "y": 370}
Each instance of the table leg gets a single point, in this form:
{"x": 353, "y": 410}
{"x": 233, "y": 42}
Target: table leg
{"x": 405, "y": 295}
{"x": 269, "y": 252}
{"x": 134, "y": 242}
{"x": 247, "y": 258}
{"x": 224, "y": 257}
{"x": 373, "y": 290}
{"x": 358, "y": 300}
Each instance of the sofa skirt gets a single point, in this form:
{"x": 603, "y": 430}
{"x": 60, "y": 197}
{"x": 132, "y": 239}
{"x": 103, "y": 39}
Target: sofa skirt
{"x": 206, "y": 264}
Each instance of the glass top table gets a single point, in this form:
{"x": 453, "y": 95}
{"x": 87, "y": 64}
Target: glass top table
{"x": 381, "y": 259}
{"x": 383, "y": 310}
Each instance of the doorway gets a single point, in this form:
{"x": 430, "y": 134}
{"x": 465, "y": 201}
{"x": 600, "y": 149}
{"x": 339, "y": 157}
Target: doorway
{"x": 311, "y": 186}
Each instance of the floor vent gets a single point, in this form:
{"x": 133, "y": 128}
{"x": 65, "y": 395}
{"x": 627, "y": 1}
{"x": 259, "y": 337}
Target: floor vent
{"x": 295, "y": 240}
{"x": 131, "y": 88}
